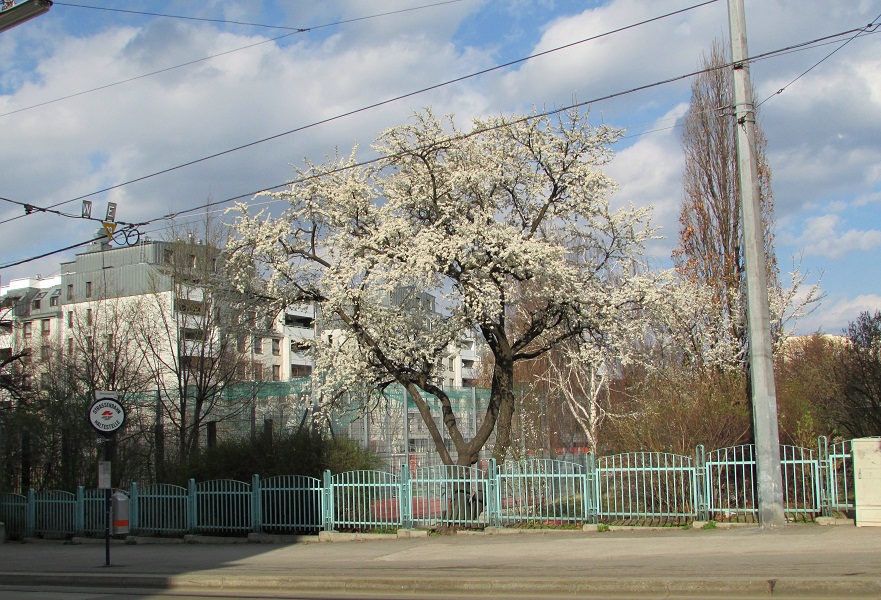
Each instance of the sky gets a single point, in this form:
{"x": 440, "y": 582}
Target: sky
{"x": 160, "y": 114}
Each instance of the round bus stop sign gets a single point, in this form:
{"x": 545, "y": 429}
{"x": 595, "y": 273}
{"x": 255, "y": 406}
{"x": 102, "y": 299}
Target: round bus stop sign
{"x": 106, "y": 414}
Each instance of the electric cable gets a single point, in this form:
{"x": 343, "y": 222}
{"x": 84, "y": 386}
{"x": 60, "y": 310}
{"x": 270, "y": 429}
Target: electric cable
{"x": 460, "y": 136}
{"x": 213, "y": 56}
{"x": 225, "y": 21}
{"x": 452, "y": 138}
{"x": 371, "y": 106}
{"x": 865, "y": 31}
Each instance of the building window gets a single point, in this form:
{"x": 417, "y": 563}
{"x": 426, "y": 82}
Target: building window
{"x": 192, "y": 261}
{"x": 45, "y": 352}
{"x": 300, "y": 371}
{"x": 89, "y": 316}
{"x": 258, "y": 345}
{"x": 276, "y": 347}
{"x": 88, "y": 289}
{"x": 38, "y": 301}
{"x": 258, "y": 372}
{"x": 70, "y": 318}
{"x": 192, "y": 335}
{"x": 53, "y": 299}
{"x": 70, "y": 291}
{"x": 69, "y": 346}
{"x": 276, "y": 372}
{"x": 242, "y": 344}
{"x": 26, "y": 330}
{"x": 45, "y": 327}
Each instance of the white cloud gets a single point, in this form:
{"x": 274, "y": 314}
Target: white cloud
{"x": 650, "y": 172}
{"x": 822, "y": 131}
{"x": 836, "y": 312}
{"x": 821, "y": 237}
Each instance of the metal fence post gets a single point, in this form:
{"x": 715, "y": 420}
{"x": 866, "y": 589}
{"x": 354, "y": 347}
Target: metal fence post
{"x": 591, "y": 494}
{"x": 823, "y": 471}
{"x": 79, "y": 512}
{"x": 31, "y": 515}
{"x": 493, "y": 494}
{"x": 191, "y": 506}
{"x": 256, "y": 504}
{"x": 699, "y": 486}
{"x": 328, "y": 501}
{"x": 405, "y": 497}
{"x": 133, "y": 508}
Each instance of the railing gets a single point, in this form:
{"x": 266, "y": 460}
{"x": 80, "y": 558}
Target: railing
{"x": 290, "y": 504}
{"x": 646, "y": 487}
{"x": 160, "y": 509}
{"x": 542, "y": 492}
{"x": 638, "y": 488}
{"x": 449, "y": 496}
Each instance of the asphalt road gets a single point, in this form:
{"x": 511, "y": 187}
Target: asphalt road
{"x": 796, "y": 561}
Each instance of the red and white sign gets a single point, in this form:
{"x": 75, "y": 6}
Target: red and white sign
{"x": 106, "y": 414}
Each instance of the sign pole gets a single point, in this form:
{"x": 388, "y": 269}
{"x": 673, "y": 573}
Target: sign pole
{"x": 107, "y": 505}
{"x": 106, "y": 416}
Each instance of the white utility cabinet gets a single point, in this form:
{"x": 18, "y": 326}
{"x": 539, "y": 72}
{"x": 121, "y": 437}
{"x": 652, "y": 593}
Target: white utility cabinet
{"x": 867, "y": 481}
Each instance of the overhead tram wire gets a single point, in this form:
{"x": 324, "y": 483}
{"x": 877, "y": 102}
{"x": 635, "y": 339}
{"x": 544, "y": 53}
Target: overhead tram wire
{"x": 375, "y": 105}
{"x": 170, "y": 216}
{"x": 213, "y": 56}
{"x": 763, "y": 56}
{"x": 799, "y": 48}
{"x": 226, "y": 21}
{"x": 865, "y": 31}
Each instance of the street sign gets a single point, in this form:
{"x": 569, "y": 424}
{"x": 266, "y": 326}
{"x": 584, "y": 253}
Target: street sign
{"x": 109, "y": 227}
{"x": 104, "y": 475}
{"x": 106, "y": 415}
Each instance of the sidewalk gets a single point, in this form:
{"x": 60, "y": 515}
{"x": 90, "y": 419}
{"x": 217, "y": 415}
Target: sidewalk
{"x": 795, "y": 562}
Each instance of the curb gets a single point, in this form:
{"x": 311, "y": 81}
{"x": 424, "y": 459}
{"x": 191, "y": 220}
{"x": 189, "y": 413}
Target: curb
{"x": 586, "y": 587}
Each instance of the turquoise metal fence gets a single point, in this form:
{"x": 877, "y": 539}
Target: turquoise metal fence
{"x": 542, "y": 492}
{"x": 94, "y": 507}
{"x": 54, "y": 513}
{"x": 836, "y": 464}
{"x": 640, "y": 487}
{"x": 364, "y": 500}
{"x": 222, "y": 506}
{"x": 646, "y": 487}
{"x": 290, "y": 504}
{"x": 729, "y": 488}
{"x": 14, "y": 514}
{"x": 801, "y": 483}
{"x": 160, "y": 509}
{"x": 450, "y": 496}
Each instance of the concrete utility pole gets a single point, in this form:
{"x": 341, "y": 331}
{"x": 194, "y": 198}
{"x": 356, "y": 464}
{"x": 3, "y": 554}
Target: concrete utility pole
{"x": 761, "y": 359}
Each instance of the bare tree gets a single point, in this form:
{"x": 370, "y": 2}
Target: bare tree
{"x": 857, "y": 408}
{"x": 101, "y": 352}
{"x": 192, "y": 341}
{"x": 710, "y": 246}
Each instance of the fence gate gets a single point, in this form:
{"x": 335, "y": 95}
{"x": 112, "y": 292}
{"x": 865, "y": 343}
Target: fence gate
{"x": 451, "y": 496}
{"x": 542, "y": 492}
{"x": 646, "y": 488}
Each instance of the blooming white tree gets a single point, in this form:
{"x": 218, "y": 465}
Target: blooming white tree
{"x": 508, "y": 225}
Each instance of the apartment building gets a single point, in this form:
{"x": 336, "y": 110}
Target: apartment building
{"x": 30, "y": 322}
